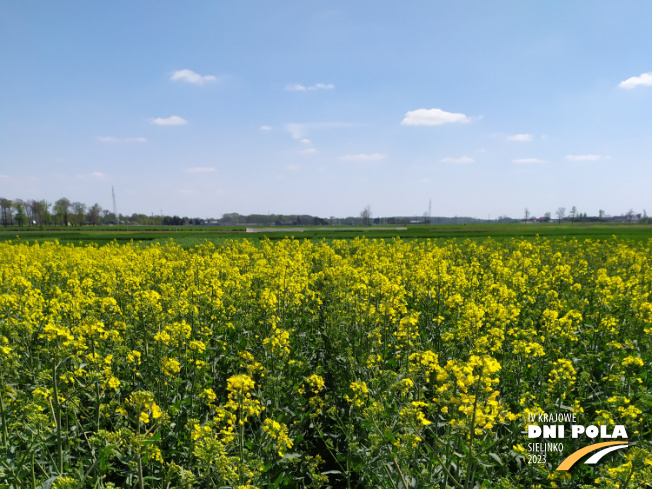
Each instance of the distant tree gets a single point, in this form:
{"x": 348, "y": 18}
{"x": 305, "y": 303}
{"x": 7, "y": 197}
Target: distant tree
{"x": 601, "y": 214}
{"x": 561, "y": 212}
{"x": 573, "y": 213}
{"x": 630, "y": 215}
{"x": 79, "y": 209}
{"x": 366, "y": 216}
{"x": 20, "y": 216}
{"x": 6, "y": 209}
{"x": 29, "y": 210}
{"x": 173, "y": 221}
{"x": 38, "y": 211}
{"x": 93, "y": 215}
{"x": 527, "y": 214}
{"x": 231, "y": 218}
{"x": 61, "y": 208}
{"x": 108, "y": 217}
{"x": 546, "y": 217}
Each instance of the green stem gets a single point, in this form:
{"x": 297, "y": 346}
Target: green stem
{"x": 57, "y": 415}
{"x": 5, "y": 434}
{"x": 33, "y": 474}
{"x": 629, "y": 477}
{"x": 400, "y": 473}
{"x": 441, "y": 463}
{"x": 241, "y": 465}
{"x": 469, "y": 459}
{"x": 141, "y": 481}
{"x": 389, "y": 476}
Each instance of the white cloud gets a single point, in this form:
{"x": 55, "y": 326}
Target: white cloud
{"x": 297, "y": 131}
{"x": 111, "y": 139}
{"x": 305, "y": 141}
{"x": 528, "y": 161}
{"x": 463, "y": 160}
{"x": 308, "y": 151}
{"x": 192, "y": 77}
{"x": 174, "y": 120}
{"x": 292, "y": 167}
{"x": 265, "y": 128}
{"x": 584, "y": 157}
{"x": 644, "y": 80}
{"x": 432, "y": 117}
{"x": 364, "y": 157}
{"x": 201, "y": 169}
{"x": 297, "y": 87}
{"x": 520, "y": 137}
{"x": 96, "y": 175}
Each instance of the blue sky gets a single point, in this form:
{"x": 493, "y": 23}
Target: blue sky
{"x": 200, "y": 108}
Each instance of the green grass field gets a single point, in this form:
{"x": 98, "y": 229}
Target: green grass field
{"x": 190, "y": 236}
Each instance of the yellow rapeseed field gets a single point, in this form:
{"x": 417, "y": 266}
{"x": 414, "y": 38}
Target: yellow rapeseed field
{"x": 359, "y": 363}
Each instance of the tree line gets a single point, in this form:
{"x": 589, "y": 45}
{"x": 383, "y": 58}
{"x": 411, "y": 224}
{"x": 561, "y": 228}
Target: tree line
{"x": 64, "y": 212}
{"x": 41, "y": 212}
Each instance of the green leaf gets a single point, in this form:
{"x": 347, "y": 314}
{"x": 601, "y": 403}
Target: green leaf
{"x": 496, "y": 458}
{"x": 278, "y": 480}
{"x": 389, "y": 436}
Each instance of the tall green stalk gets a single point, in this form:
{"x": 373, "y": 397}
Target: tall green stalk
{"x": 57, "y": 415}
{"x": 3, "y": 417}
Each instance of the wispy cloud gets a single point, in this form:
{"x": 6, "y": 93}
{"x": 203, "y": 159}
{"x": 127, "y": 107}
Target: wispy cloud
{"x": 297, "y": 87}
{"x": 364, "y": 157}
{"x": 463, "y": 160}
{"x": 192, "y": 77}
{"x": 528, "y": 161}
{"x": 293, "y": 167}
{"x": 299, "y": 130}
{"x": 308, "y": 151}
{"x": 265, "y": 128}
{"x": 173, "y": 120}
{"x": 432, "y": 117}
{"x": 305, "y": 141}
{"x": 520, "y": 138}
{"x": 644, "y": 79}
{"x": 111, "y": 139}
{"x": 96, "y": 175}
{"x": 585, "y": 157}
{"x": 201, "y": 170}
{"x": 296, "y": 130}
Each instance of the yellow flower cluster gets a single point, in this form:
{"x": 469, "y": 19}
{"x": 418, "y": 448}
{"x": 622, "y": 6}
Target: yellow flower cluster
{"x": 143, "y": 403}
{"x": 240, "y": 401}
{"x": 278, "y": 343}
{"x": 360, "y": 393}
{"x": 278, "y": 432}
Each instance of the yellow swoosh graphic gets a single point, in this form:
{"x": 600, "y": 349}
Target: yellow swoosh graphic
{"x": 575, "y": 456}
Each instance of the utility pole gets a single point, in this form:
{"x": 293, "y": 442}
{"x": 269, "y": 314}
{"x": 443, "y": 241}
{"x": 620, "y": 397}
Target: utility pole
{"x": 115, "y": 207}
